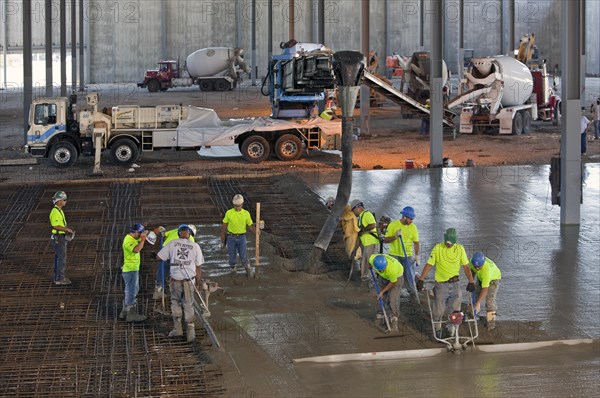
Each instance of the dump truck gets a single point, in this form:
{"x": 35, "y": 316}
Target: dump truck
{"x": 504, "y": 96}
{"x": 57, "y": 133}
{"x": 212, "y": 69}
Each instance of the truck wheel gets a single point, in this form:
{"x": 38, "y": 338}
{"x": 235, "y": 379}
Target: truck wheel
{"x": 557, "y": 115}
{"x": 153, "y": 86}
{"x": 255, "y": 149}
{"x": 63, "y": 154}
{"x": 124, "y": 152}
{"x": 206, "y": 85}
{"x": 288, "y": 147}
{"x": 526, "y": 122}
{"x": 221, "y": 85}
{"x": 517, "y": 124}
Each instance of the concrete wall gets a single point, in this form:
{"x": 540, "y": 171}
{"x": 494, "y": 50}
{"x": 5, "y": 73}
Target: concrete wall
{"x": 125, "y": 35}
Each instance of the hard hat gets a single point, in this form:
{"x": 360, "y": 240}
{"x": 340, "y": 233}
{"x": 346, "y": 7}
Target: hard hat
{"x": 151, "y": 237}
{"x": 184, "y": 227}
{"x": 330, "y": 202}
{"x": 192, "y": 229}
{"x": 238, "y": 200}
{"x": 408, "y": 212}
{"x": 478, "y": 259}
{"x": 138, "y": 228}
{"x": 59, "y": 195}
{"x": 380, "y": 262}
{"x": 356, "y": 203}
{"x": 450, "y": 236}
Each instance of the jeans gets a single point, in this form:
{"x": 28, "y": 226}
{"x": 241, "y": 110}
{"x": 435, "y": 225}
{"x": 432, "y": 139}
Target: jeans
{"x": 424, "y": 131}
{"x": 59, "y": 245}
{"x": 446, "y": 295}
{"x": 597, "y": 129}
{"x": 583, "y": 143}
{"x": 132, "y": 286}
{"x": 163, "y": 273}
{"x": 237, "y": 244}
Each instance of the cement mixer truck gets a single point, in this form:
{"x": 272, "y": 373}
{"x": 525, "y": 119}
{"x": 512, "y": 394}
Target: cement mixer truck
{"x": 504, "y": 96}
{"x": 212, "y": 69}
{"x": 416, "y": 76}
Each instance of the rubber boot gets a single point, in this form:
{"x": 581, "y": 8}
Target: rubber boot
{"x": 491, "y": 320}
{"x": 394, "y": 323}
{"x": 123, "y": 313}
{"x": 177, "y": 328}
{"x": 133, "y": 316}
{"x": 190, "y": 332}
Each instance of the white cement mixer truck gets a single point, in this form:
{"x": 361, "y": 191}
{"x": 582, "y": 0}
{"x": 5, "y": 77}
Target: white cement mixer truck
{"x": 504, "y": 96}
{"x": 416, "y": 77}
{"x": 212, "y": 69}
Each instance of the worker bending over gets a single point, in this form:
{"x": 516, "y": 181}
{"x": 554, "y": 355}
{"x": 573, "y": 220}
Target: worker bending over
{"x": 488, "y": 277}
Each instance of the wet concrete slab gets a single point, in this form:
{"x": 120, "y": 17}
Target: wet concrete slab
{"x": 560, "y": 371}
{"x": 550, "y": 273}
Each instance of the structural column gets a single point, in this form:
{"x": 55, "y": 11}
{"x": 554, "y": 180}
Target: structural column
{"x": 570, "y": 147}
{"x": 436, "y": 127}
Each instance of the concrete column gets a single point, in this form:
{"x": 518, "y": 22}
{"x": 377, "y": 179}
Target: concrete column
{"x": 570, "y": 150}
{"x": 238, "y": 24}
{"x": 583, "y": 66}
{"x": 48, "y": 45}
{"x": 86, "y": 44}
{"x": 422, "y": 24}
{"x": 511, "y": 27}
{"x": 74, "y": 45}
{"x": 365, "y": 92}
{"x": 461, "y": 40}
{"x": 436, "y": 132}
{"x": 269, "y": 30}
{"x": 4, "y": 43}
{"x": 27, "y": 66}
{"x": 63, "y": 48}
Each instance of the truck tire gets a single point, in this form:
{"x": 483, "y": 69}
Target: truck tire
{"x": 288, "y": 147}
{"x": 153, "y": 86}
{"x": 255, "y": 149}
{"x": 517, "y": 124}
{"x": 206, "y": 85}
{"x": 63, "y": 154}
{"x": 124, "y": 152}
{"x": 557, "y": 115}
{"x": 526, "y": 122}
{"x": 222, "y": 85}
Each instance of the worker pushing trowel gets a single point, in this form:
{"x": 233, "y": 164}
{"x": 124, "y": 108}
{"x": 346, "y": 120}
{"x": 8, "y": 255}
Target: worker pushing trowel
{"x": 233, "y": 234}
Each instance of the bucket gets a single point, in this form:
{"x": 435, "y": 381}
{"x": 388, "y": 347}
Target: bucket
{"x": 409, "y": 164}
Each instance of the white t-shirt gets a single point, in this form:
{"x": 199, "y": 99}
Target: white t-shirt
{"x": 183, "y": 255}
{"x": 584, "y": 124}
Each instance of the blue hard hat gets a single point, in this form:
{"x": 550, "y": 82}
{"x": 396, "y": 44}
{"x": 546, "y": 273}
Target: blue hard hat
{"x": 184, "y": 227}
{"x": 478, "y": 259}
{"x": 380, "y": 262}
{"x": 408, "y": 212}
{"x": 137, "y": 228}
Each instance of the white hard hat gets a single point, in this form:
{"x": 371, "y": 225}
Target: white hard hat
{"x": 193, "y": 229}
{"x": 151, "y": 237}
{"x": 238, "y": 200}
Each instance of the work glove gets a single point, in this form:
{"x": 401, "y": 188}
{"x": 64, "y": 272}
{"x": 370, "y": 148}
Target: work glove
{"x": 419, "y": 285}
{"x": 381, "y": 239}
{"x": 470, "y": 287}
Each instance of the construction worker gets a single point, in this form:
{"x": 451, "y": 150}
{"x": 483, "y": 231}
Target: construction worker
{"x": 406, "y": 249}
{"x": 60, "y": 234}
{"x": 424, "y": 131}
{"x": 233, "y": 233}
{"x": 186, "y": 260}
{"x": 488, "y": 277}
{"x": 162, "y": 270}
{"x": 330, "y": 108}
{"x": 585, "y": 122}
{"x": 349, "y": 226}
{"x": 389, "y": 272}
{"x": 367, "y": 233}
{"x": 447, "y": 257}
{"x": 595, "y": 108}
{"x": 133, "y": 243}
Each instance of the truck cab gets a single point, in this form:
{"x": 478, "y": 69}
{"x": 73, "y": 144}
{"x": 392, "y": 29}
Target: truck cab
{"x": 160, "y": 79}
{"x": 53, "y": 131}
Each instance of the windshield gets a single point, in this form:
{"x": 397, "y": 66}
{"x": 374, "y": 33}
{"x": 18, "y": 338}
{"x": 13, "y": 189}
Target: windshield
{"x": 45, "y": 114}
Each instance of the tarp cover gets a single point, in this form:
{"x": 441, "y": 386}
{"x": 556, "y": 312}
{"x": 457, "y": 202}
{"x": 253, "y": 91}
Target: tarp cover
{"x": 204, "y": 128}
